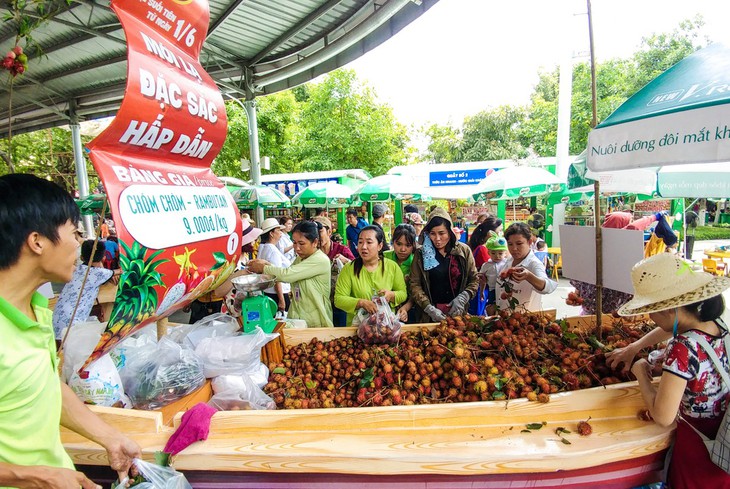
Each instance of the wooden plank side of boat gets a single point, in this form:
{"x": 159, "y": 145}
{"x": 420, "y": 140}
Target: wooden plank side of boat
{"x": 456, "y": 439}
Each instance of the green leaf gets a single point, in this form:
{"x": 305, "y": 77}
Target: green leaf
{"x": 560, "y": 430}
{"x": 162, "y": 459}
{"x": 534, "y": 426}
{"x": 220, "y": 260}
{"x": 499, "y": 383}
{"x": 525, "y": 431}
{"x": 565, "y": 441}
{"x": 311, "y": 384}
{"x": 279, "y": 370}
{"x": 593, "y": 341}
{"x": 367, "y": 377}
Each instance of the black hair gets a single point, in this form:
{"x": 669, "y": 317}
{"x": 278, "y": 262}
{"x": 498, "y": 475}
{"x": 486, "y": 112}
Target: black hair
{"x": 284, "y": 219}
{"x": 406, "y": 231}
{"x": 266, "y": 237}
{"x": 480, "y": 235}
{"x": 708, "y": 309}
{"x": 410, "y": 208}
{"x": 308, "y": 229}
{"x": 380, "y": 237}
{"x": 437, "y": 221}
{"x": 112, "y": 238}
{"x": 541, "y": 245}
{"x": 30, "y": 204}
{"x": 86, "y": 248}
{"x": 351, "y": 212}
{"x": 518, "y": 228}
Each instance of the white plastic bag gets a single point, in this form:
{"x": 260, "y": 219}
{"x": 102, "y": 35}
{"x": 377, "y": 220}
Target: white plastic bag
{"x": 157, "y": 476}
{"x": 103, "y": 385}
{"x": 213, "y": 326}
{"x": 238, "y": 393}
{"x": 233, "y": 354}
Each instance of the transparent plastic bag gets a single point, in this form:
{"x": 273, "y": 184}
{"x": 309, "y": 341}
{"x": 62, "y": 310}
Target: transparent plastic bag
{"x": 155, "y": 375}
{"x": 157, "y": 477}
{"x": 381, "y": 327}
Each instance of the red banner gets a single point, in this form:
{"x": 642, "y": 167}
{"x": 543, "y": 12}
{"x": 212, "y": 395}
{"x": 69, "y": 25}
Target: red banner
{"x": 178, "y": 227}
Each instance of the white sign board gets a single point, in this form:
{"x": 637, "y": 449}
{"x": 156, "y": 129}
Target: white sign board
{"x": 622, "y": 249}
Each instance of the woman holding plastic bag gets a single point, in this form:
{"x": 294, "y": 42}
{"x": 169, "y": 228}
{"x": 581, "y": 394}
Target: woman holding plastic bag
{"x": 443, "y": 275}
{"x": 369, "y": 276}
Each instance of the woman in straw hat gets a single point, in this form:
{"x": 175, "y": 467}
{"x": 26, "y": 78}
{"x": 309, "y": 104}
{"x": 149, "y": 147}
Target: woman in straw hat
{"x": 683, "y": 303}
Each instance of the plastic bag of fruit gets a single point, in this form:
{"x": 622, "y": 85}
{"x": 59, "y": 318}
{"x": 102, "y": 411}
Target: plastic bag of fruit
{"x": 381, "y": 327}
{"x": 238, "y": 393}
{"x": 155, "y": 375}
{"x": 153, "y": 476}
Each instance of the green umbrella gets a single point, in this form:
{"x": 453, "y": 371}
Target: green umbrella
{"x": 324, "y": 194}
{"x": 571, "y": 196}
{"x": 92, "y": 204}
{"x": 694, "y": 181}
{"x": 390, "y": 187}
{"x": 517, "y": 181}
{"x": 638, "y": 181}
{"x": 682, "y": 116}
{"x": 260, "y": 196}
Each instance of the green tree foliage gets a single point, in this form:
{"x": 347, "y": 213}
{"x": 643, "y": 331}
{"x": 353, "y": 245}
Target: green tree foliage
{"x": 344, "y": 126}
{"x": 48, "y": 153}
{"x": 444, "y": 143}
{"x": 492, "y": 135}
{"x": 277, "y": 117}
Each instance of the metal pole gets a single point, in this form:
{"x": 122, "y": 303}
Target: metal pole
{"x": 253, "y": 144}
{"x": 82, "y": 177}
{"x": 596, "y": 185}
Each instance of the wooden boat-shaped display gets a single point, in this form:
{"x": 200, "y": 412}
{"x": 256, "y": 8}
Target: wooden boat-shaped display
{"x": 476, "y": 444}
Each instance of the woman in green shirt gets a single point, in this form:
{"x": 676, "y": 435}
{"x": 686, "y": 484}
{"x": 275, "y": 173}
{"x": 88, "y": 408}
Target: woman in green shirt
{"x": 404, "y": 244}
{"x": 309, "y": 277}
{"x": 369, "y": 275}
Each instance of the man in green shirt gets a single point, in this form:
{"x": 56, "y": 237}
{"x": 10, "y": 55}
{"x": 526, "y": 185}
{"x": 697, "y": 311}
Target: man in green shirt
{"x": 39, "y": 244}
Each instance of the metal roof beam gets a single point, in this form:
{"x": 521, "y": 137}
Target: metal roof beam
{"x": 224, "y": 16}
{"x": 294, "y": 30}
{"x": 377, "y": 18}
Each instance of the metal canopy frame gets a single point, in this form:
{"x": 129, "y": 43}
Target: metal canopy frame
{"x": 254, "y": 47}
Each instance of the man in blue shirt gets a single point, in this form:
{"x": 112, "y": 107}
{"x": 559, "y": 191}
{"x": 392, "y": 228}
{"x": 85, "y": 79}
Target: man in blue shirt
{"x": 355, "y": 224}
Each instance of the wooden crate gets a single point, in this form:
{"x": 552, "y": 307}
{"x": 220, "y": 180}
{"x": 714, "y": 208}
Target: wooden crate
{"x": 463, "y": 439}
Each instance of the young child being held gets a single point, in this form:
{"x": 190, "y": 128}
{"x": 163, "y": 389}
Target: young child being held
{"x": 524, "y": 279}
{"x": 541, "y": 252}
{"x": 497, "y": 249}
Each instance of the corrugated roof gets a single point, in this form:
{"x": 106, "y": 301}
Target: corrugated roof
{"x": 277, "y": 44}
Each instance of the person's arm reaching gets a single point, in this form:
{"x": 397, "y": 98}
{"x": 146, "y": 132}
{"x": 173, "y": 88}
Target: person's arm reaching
{"x": 80, "y": 419}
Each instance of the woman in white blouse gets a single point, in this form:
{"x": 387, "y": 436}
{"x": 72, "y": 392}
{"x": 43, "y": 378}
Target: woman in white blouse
{"x": 269, "y": 251}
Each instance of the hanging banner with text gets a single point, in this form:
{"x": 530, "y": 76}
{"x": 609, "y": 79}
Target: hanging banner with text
{"x": 177, "y": 225}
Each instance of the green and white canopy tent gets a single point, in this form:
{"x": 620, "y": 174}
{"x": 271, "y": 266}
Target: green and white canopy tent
{"x": 680, "y": 117}
{"x": 515, "y": 182}
{"x": 326, "y": 194}
{"x": 262, "y": 196}
{"x": 92, "y": 204}
{"x": 390, "y": 187}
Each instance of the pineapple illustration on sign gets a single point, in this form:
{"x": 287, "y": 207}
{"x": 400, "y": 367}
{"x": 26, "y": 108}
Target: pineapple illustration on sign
{"x": 136, "y": 296}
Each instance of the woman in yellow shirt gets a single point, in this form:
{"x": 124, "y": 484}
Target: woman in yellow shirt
{"x": 369, "y": 275}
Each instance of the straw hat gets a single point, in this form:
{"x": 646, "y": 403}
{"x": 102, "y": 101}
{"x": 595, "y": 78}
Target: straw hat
{"x": 249, "y": 233}
{"x": 270, "y": 224}
{"x": 665, "y": 281}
